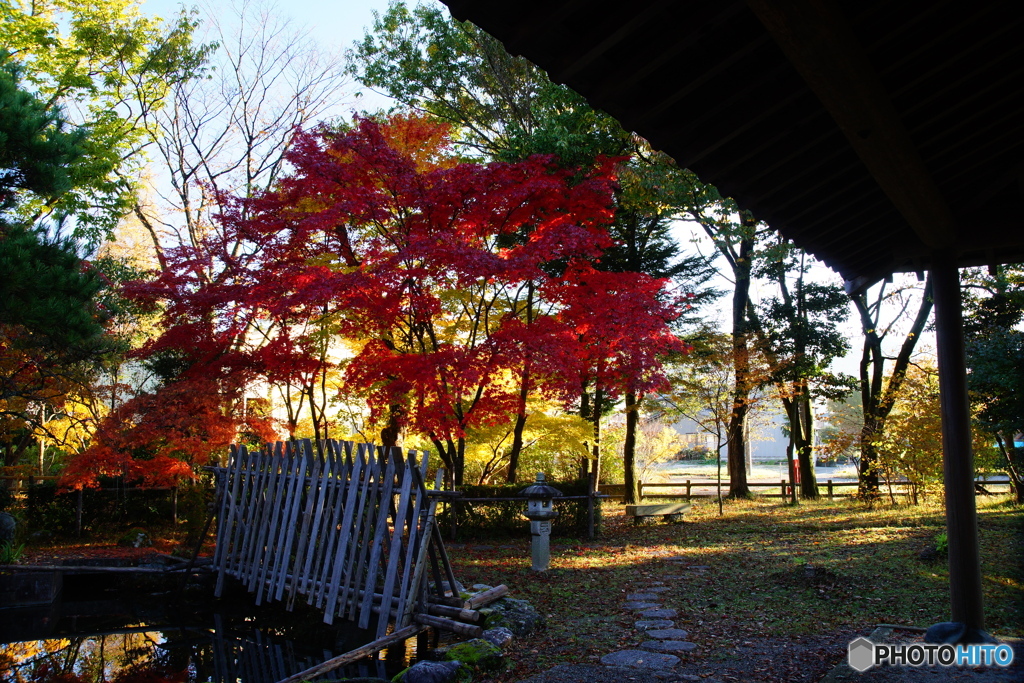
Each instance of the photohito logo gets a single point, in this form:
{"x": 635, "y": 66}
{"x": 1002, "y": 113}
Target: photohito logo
{"x": 863, "y": 654}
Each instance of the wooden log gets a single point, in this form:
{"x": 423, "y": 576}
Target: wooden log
{"x": 459, "y": 613}
{"x": 448, "y": 625}
{"x": 487, "y": 597}
{"x": 354, "y": 655}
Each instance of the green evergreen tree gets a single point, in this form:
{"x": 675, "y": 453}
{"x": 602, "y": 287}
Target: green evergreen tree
{"x": 49, "y": 322}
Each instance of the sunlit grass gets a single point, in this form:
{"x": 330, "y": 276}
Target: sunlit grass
{"x": 815, "y": 568}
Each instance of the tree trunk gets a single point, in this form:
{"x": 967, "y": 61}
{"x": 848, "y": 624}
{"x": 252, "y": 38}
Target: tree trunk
{"x": 805, "y": 454}
{"x": 877, "y": 396}
{"x": 585, "y": 414}
{"x": 393, "y": 429}
{"x": 512, "y": 473}
{"x": 595, "y": 474}
{"x": 446, "y": 450}
{"x": 629, "y": 449}
{"x": 524, "y": 392}
{"x": 741, "y": 367}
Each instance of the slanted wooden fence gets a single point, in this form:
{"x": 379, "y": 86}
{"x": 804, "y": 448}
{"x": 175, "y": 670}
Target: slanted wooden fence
{"x": 348, "y": 527}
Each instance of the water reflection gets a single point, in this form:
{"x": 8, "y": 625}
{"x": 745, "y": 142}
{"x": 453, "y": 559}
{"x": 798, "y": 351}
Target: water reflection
{"x": 165, "y": 639}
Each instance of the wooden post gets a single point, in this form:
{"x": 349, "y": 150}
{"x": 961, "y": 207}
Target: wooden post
{"x": 174, "y": 505}
{"x": 687, "y": 489}
{"x": 78, "y": 513}
{"x": 783, "y": 488}
{"x": 830, "y": 489}
{"x": 591, "y": 488}
{"x": 958, "y": 458}
{"x": 640, "y": 491}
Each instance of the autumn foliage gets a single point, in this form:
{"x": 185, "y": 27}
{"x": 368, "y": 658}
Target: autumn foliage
{"x": 380, "y": 236}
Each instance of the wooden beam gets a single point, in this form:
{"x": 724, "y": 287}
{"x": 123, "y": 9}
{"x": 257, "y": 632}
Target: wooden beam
{"x": 818, "y": 42}
{"x": 355, "y": 655}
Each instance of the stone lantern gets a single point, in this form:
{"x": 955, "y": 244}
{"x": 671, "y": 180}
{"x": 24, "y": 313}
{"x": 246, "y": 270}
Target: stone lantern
{"x": 540, "y": 511}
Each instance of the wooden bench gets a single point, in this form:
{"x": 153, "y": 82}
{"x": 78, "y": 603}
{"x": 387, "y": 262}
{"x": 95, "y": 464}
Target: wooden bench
{"x": 671, "y": 512}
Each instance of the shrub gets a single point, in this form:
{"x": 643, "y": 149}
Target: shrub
{"x": 502, "y": 518}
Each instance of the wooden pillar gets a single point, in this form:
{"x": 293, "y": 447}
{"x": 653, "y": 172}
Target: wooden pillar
{"x": 958, "y": 458}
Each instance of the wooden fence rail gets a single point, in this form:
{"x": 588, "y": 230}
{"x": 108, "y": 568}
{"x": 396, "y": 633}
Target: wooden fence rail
{"x": 348, "y": 526}
{"x": 782, "y": 485}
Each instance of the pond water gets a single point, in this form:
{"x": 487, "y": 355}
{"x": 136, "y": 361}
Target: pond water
{"x": 114, "y": 630}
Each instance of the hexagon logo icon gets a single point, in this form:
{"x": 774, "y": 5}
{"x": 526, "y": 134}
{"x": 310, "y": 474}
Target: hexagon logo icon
{"x": 862, "y": 655}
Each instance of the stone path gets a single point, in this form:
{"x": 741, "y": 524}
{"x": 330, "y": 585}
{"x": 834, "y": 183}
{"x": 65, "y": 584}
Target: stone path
{"x": 659, "y": 653}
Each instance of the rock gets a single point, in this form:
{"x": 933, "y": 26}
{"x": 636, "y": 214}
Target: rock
{"x": 477, "y": 653}
{"x": 640, "y": 659}
{"x": 929, "y": 554}
{"x": 430, "y": 672}
{"x": 8, "y": 526}
{"x": 648, "y": 624}
{"x": 40, "y": 536}
{"x": 698, "y": 567}
{"x": 481, "y": 587}
{"x": 639, "y": 606}
{"x": 642, "y": 596}
{"x": 499, "y": 637}
{"x": 657, "y": 589}
{"x": 517, "y": 616}
{"x": 671, "y": 646}
{"x": 666, "y": 633}
{"x": 659, "y": 614}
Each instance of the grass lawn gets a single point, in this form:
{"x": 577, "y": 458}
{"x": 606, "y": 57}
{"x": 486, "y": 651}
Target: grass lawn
{"x": 809, "y": 578}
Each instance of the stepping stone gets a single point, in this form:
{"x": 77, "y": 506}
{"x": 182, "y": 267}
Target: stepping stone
{"x": 666, "y": 633}
{"x": 668, "y": 645}
{"x": 657, "y": 583}
{"x": 640, "y": 659}
{"x": 659, "y": 614}
{"x": 647, "y": 625}
{"x": 642, "y": 596}
{"x": 638, "y": 606}
{"x": 657, "y": 589}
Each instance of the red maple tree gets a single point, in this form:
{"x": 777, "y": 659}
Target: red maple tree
{"x": 381, "y": 235}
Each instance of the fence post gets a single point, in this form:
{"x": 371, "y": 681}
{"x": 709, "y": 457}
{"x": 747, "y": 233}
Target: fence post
{"x": 591, "y": 490}
{"x": 174, "y": 504}
{"x": 830, "y": 489}
{"x": 783, "y": 491}
{"x": 687, "y": 489}
{"x": 639, "y": 490}
{"x": 78, "y": 513}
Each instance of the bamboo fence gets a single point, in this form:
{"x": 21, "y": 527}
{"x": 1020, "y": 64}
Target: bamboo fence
{"x": 349, "y": 527}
